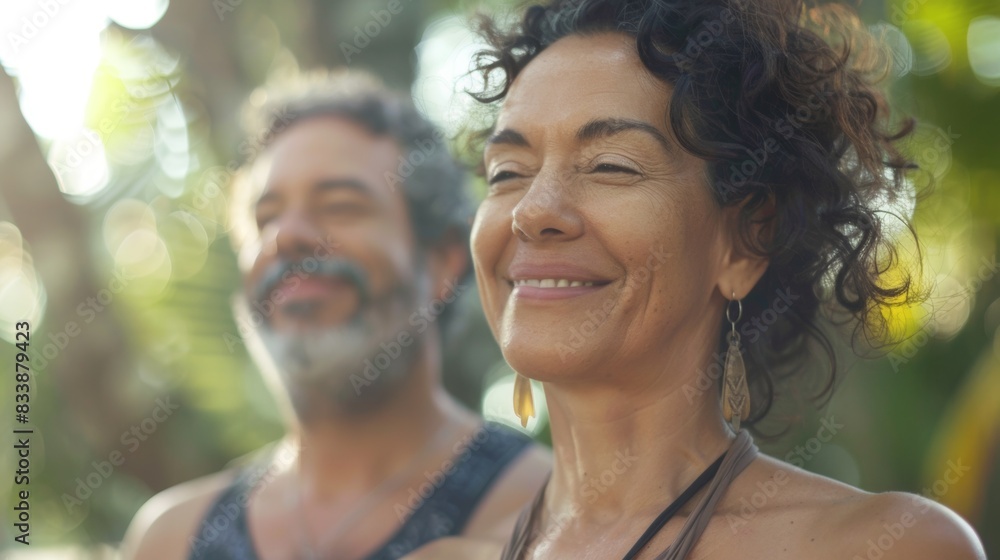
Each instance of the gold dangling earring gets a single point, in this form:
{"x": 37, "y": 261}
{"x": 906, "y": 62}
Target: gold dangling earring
{"x": 735, "y": 394}
{"x": 524, "y": 401}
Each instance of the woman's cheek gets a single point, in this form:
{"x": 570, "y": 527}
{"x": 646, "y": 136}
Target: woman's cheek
{"x": 486, "y": 244}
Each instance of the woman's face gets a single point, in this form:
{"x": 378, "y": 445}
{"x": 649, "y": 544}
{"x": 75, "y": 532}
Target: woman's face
{"x": 599, "y": 246}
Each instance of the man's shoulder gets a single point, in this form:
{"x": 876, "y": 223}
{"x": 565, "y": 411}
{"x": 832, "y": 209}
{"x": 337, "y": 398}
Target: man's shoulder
{"x": 164, "y": 525}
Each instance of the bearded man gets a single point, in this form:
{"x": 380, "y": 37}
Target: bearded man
{"x": 351, "y": 225}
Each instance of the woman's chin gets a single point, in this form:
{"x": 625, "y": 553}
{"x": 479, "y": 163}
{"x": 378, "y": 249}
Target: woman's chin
{"x": 543, "y": 360}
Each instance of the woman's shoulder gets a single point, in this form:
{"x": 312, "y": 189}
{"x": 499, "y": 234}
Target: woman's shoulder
{"x": 818, "y": 517}
{"x": 915, "y": 526}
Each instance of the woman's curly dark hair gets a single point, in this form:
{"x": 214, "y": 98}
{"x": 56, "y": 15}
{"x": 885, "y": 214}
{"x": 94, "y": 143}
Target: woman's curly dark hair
{"x": 782, "y": 101}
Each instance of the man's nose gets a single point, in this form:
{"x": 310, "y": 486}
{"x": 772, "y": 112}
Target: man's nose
{"x": 295, "y": 236}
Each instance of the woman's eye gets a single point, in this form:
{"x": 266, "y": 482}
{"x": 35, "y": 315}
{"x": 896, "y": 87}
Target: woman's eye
{"x": 612, "y": 168}
{"x": 502, "y": 176}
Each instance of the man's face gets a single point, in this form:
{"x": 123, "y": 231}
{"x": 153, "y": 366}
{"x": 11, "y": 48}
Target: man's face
{"x": 333, "y": 269}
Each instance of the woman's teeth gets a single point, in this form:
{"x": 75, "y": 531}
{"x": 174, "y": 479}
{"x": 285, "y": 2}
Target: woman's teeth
{"x": 552, "y": 283}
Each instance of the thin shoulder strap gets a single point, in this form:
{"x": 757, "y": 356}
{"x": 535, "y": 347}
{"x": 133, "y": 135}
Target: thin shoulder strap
{"x": 515, "y": 547}
{"x": 742, "y": 452}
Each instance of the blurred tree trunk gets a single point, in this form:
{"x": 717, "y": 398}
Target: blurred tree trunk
{"x": 94, "y": 365}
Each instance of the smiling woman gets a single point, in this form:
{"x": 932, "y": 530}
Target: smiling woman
{"x": 663, "y": 177}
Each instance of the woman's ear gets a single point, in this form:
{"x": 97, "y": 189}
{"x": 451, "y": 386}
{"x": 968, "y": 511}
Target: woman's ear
{"x": 746, "y": 258}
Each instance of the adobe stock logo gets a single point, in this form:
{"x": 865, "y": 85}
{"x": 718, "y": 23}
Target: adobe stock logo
{"x": 35, "y": 23}
{"x": 578, "y": 335}
{"x": 420, "y": 320}
{"x": 89, "y": 483}
{"x": 591, "y": 490}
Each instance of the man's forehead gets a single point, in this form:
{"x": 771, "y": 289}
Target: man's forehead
{"x": 314, "y": 155}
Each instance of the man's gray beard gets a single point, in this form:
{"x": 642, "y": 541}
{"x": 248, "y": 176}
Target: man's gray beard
{"x": 330, "y": 370}
{"x": 317, "y": 357}
{"x": 328, "y": 365}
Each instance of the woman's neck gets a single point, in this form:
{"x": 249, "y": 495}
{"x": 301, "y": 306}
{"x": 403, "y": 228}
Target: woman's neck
{"x": 625, "y": 455}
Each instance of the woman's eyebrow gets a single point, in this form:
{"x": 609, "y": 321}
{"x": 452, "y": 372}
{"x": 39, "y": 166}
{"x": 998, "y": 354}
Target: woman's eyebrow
{"x": 597, "y": 128}
{"x": 602, "y": 128}
{"x": 508, "y": 136}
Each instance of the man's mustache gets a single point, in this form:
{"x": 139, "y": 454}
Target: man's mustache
{"x": 335, "y": 268}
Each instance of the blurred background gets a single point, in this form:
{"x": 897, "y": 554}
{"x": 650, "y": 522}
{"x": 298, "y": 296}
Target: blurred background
{"x": 119, "y": 133}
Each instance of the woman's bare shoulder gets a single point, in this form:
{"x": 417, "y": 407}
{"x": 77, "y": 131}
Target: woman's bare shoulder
{"x": 903, "y": 525}
{"x": 820, "y": 517}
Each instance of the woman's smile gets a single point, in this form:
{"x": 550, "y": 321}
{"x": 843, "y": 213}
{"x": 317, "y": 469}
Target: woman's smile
{"x": 552, "y": 281}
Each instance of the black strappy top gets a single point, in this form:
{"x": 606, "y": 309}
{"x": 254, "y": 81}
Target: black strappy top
{"x": 224, "y": 533}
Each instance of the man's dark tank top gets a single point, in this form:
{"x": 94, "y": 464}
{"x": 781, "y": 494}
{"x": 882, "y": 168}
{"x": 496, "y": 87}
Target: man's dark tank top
{"x": 438, "y": 508}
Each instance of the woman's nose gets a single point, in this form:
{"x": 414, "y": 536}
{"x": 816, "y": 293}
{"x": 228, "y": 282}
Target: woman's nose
{"x": 546, "y": 212}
